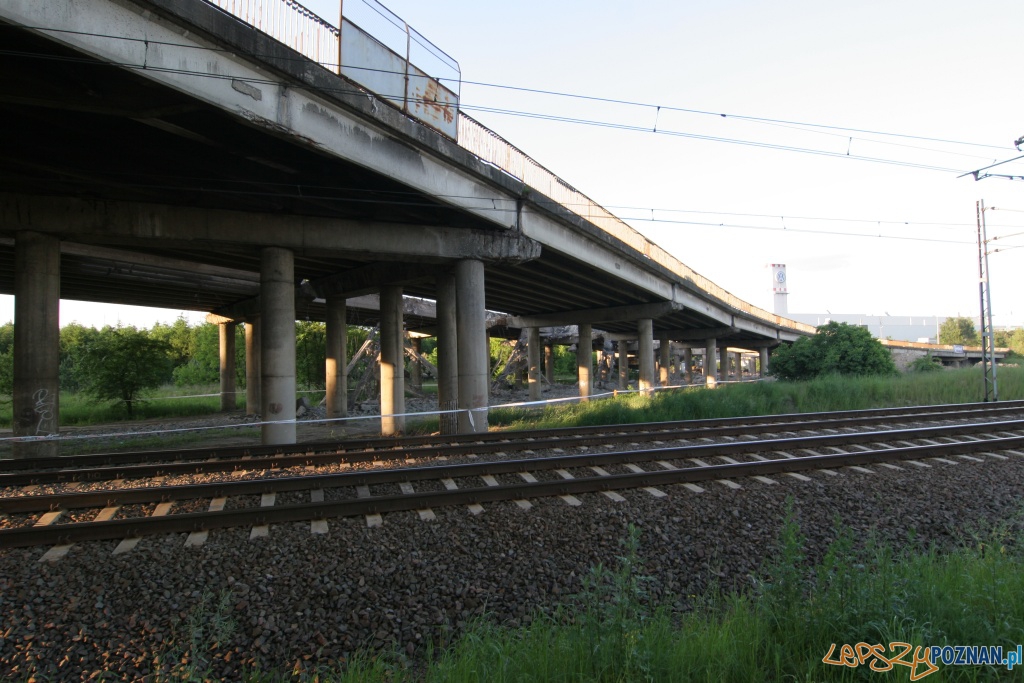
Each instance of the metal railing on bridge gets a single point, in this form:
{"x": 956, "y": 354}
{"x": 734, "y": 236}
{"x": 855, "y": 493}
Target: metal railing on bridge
{"x": 382, "y": 63}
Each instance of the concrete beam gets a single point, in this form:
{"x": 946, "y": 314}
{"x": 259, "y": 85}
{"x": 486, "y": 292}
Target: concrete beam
{"x": 143, "y": 224}
{"x": 697, "y": 334}
{"x": 595, "y": 315}
{"x": 370, "y": 278}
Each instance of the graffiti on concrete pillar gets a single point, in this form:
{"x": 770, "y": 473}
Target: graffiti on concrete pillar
{"x": 43, "y": 407}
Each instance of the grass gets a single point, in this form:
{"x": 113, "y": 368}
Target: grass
{"x": 780, "y": 629}
{"x": 767, "y": 398}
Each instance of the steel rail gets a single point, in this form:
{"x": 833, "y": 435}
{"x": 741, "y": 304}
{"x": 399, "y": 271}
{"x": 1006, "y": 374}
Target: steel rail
{"x": 154, "y": 494}
{"x": 306, "y": 458}
{"x": 453, "y": 440}
{"x": 206, "y": 521}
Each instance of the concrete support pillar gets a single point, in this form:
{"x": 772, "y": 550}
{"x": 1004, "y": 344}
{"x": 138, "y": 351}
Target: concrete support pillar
{"x": 447, "y": 352}
{"x": 337, "y": 357}
{"x": 549, "y": 363}
{"x": 252, "y": 366}
{"x": 739, "y": 366}
{"x": 227, "y": 366}
{"x": 664, "y": 361}
{"x": 474, "y": 349}
{"x": 645, "y": 353}
{"x": 688, "y": 363}
{"x": 392, "y": 364}
{"x": 277, "y": 345}
{"x": 533, "y": 362}
{"x": 763, "y": 353}
{"x": 584, "y": 362}
{"x": 710, "y": 366}
{"x": 622, "y": 353}
{"x": 36, "y": 409}
{"x": 416, "y": 367}
{"x": 723, "y": 361}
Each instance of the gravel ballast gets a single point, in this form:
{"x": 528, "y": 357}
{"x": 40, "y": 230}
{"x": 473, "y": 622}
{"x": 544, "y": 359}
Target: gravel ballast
{"x": 305, "y": 599}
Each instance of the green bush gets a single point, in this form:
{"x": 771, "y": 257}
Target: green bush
{"x": 925, "y": 364}
{"x": 837, "y": 348}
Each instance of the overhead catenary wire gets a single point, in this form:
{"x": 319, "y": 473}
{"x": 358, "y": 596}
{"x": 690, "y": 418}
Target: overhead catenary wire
{"x": 637, "y": 128}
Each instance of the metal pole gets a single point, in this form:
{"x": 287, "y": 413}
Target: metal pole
{"x": 988, "y": 361}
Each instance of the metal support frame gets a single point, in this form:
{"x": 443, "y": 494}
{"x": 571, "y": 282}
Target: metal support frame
{"x": 988, "y": 339}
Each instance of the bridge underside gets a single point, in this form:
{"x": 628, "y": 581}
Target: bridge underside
{"x": 137, "y": 166}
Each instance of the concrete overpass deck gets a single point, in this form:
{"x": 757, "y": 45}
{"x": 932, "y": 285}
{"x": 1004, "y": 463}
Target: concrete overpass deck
{"x": 166, "y": 146}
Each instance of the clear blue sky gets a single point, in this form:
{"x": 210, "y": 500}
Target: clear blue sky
{"x": 935, "y": 68}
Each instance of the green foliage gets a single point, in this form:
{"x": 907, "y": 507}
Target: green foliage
{"x": 837, "y": 348}
{"x": 121, "y": 363}
{"x": 7, "y": 359}
{"x": 925, "y": 364}
{"x": 195, "y": 354}
{"x": 959, "y": 331}
{"x": 75, "y": 338}
{"x": 310, "y": 354}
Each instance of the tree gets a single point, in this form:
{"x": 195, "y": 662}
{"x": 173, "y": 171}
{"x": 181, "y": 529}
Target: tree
{"x": 836, "y": 348}
{"x": 959, "y": 330}
{"x": 7, "y": 359}
{"x": 121, "y": 363}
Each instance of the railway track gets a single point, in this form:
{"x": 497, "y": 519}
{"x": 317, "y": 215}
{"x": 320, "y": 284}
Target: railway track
{"x": 136, "y": 465}
{"x": 71, "y": 516}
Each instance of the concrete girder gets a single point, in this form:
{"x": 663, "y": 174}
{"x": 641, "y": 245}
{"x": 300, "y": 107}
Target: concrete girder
{"x": 135, "y": 223}
{"x": 370, "y": 278}
{"x": 697, "y": 334}
{"x": 595, "y": 315}
{"x": 178, "y": 58}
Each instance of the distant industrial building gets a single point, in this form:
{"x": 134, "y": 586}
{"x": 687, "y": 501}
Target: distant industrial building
{"x": 913, "y": 328}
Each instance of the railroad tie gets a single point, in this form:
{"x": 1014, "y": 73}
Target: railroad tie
{"x": 569, "y": 499}
{"x": 266, "y": 500}
{"x": 611, "y": 495}
{"x": 57, "y": 551}
{"x": 450, "y": 485}
{"x": 197, "y": 538}
{"x": 657, "y": 493}
{"x": 317, "y": 526}
{"x": 529, "y": 479}
{"x": 426, "y": 514}
{"x": 758, "y": 477}
{"x": 373, "y": 520}
{"x": 728, "y": 483}
{"x": 669, "y": 466}
{"x": 161, "y": 510}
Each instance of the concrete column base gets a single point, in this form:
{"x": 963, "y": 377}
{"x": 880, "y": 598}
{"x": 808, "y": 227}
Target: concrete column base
{"x": 584, "y": 360}
{"x": 337, "y": 357}
{"x": 474, "y": 349}
{"x": 36, "y": 399}
{"x": 227, "y": 366}
{"x": 277, "y": 345}
{"x": 252, "y": 366}
{"x": 645, "y": 353}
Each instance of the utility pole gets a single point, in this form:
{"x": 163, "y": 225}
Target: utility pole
{"x": 988, "y": 339}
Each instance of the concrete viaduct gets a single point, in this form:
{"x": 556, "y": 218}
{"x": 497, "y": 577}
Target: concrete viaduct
{"x": 165, "y": 153}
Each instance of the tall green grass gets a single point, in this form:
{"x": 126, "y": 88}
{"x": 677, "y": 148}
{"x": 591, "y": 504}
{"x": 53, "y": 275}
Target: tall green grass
{"x": 767, "y": 398}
